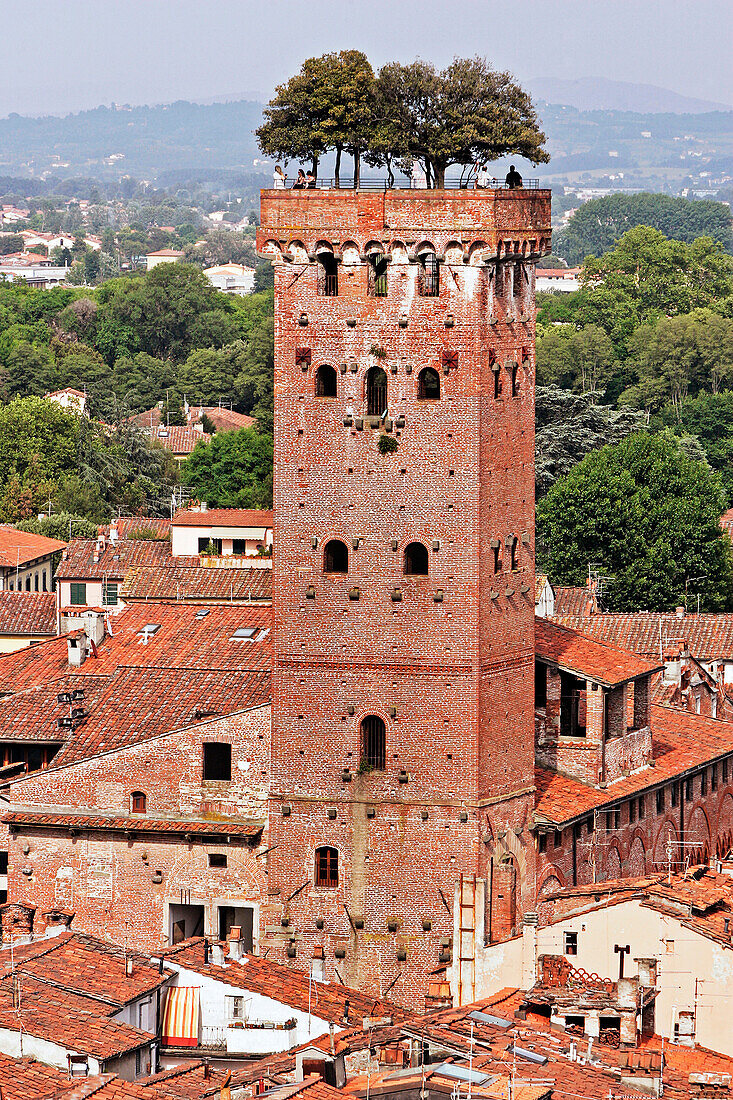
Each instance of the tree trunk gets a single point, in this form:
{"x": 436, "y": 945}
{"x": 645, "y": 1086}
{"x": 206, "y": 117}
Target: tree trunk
{"x": 314, "y": 166}
{"x": 337, "y": 169}
{"x": 439, "y": 170}
{"x": 357, "y": 169}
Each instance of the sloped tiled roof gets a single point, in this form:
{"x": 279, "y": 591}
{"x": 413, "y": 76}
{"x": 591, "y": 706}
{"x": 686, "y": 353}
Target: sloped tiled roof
{"x": 127, "y": 526}
{"x": 27, "y": 613}
{"x": 606, "y": 664}
{"x": 187, "y": 638}
{"x": 571, "y": 601}
{"x": 85, "y": 965}
{"x": 115, "y": 560}
{"x": 289, "y": 986}
{"x": 199, "y": 583}
{"x": 726, "y": 521}
{"x": 178, "y": 438}
{"x": 137, "y": 824}
{"x": 19, "y": 547}
{"x": 29, "y": 1079}
{"x": 709, "y": 637}
{"x": 225, "y": 420}
{"x": 224, "y": 517}
{"x": 680, "y": 740}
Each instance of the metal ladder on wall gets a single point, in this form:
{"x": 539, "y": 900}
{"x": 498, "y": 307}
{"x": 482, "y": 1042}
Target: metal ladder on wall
{"x": 467, "y": 939}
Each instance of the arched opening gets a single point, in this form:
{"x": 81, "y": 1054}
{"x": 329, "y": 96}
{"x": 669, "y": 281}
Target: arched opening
{"x": 515, "y": 379}
{"x": 326, "y": 381}
{"x": 376, "y": 392}
{"x": 429, "y": 276}
{"x": 328, "y": 282}
{"x": 336, "y": 557}
{"x": 416, "y": 560}
{"x": 326, "y": 870}
{"x": 377, "y": 286}
{"x": 373, "y": 742}
{"x": 138, "y": 802}
{"x": 428, "y": 385}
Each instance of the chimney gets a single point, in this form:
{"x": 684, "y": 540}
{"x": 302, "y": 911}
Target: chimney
{"x": 77, "y": 649}
{"x": 94, "y": 626}
{"x": 207, "y": 1071}
{"x": 235, "y": 942}
{"x": 204, "y": 506}
{"x": 529, "y": 950}
{"x": 56, "y": 921}
{"x": 217, "y": 954}
{"x": 114, "y": 534}
{"x": 128, "y": 966}
{"x": 679, "y": 612}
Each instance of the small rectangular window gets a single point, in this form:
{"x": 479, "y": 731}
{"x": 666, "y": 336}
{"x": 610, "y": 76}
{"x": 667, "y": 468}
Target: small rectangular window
{"x": 217, "y": 761}
{"x": 236, "y": 1008}
{"x": 675, "y": 796}
{"x": 570, "y": 943}
{"x": 632, "y": 812}
{"x": 703, "y": 783}
{"x": 542, "y": 843}
{"x": 244, "y": 633}
{"x": 110, "y": 590}
{"x": 557, "y": 839}
{"x": 239, "y": 547}
{"x": 714, "y": 777}
{"x": 43, "y": 578}
{"x": 77, "y": 593}
{"x": 660, "y": 800}
{"x": 688, "y": 789}
{"x": 617, "y": 819}
{"x": 217, "y": 859}
{"x": 540, "y": 684}
{"x": 724, "y": 770}
{"x": 641, "y": 807}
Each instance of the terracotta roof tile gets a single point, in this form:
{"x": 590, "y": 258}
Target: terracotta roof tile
{"x": 127, "y": 526}
{"x": 223, "y": 517}
{"x": 225, "y": 420}
{"x": 19, "y": 547}
{"x": 186, "y": 638}
{"x": 178, "y": 438}
{"x": 27, "y": 613}
{"x": 138, "y": 824}
{"x": 199, "y": 583}
{"x": 680, "y": 741}
{"x": 281, "y": 983}
{"x": 571, "y": 601}
{"x": 29, "y": 1079}
{"x": 59, "y": 1018}
{"x": 708, "y": 637}
{"x": 114, "y": 561}
{"x": 595, "y": 660}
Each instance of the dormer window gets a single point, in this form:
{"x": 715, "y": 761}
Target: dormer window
{"x": 138, "y": 802}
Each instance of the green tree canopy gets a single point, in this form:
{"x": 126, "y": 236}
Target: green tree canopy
{"x": 597, "y": 225}
{"x": 233, "y": 470}
{"x": 648, "y": 515}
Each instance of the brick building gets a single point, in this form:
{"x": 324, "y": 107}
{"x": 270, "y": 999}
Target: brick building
{"x": 403, "y": 577}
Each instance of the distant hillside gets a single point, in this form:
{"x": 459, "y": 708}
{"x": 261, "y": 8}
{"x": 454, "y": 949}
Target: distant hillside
{"x": 599, "y": 94}
{"x": 183, "y": 142}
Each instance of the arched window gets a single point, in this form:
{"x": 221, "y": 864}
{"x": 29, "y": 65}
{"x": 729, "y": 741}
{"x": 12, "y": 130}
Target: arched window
{"x": 376, "y": 391}
{"x": 138, "y": 802}
{"x": 336, "y": 557}
{"x": 377, "y": 287}
{"x": 327, "y": 866}
{"x": 429, "y": 276}
{"x": 416, "y": 560}
{"x": 373, "y": 742}
{"x": 328, "y": 280}
{"x": 428, "y": 385}
{"x": 515, "y": 379}
{"x": 514, "y": 552}
{"x": 326, "y": 381}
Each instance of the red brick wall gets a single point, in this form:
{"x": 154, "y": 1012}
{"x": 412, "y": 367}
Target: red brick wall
{"x": 106, "y": 878}
{"x": 452, "y": 680}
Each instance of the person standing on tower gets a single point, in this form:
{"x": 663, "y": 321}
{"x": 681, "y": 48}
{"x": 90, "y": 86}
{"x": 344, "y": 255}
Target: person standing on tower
{"x": 513, "y": 178}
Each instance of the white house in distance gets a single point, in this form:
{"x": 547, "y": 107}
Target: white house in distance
{"x": 240, "y": 532}
{"x": 231, "y": 278}
{"x": 69, "y": 399}
{"x": 560, "y": 280}
{"x": 163, "y": 256}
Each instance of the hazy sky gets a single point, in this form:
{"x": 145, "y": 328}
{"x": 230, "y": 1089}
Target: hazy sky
{"x": 64, "y": 55}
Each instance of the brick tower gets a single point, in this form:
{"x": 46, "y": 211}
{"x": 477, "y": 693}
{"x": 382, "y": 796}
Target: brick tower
{"x": 403, "y": 574}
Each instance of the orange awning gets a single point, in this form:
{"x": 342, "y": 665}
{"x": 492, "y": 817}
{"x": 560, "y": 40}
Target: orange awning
{"x": 181, "y": 1019}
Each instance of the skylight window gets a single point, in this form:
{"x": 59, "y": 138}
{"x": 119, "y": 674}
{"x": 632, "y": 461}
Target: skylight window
{"x": 149, "y": 629}
{"x": 202, "y": 613}
{"x": 246, "y": 632}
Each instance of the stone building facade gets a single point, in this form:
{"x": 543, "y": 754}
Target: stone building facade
{"x": 403, "y": 574}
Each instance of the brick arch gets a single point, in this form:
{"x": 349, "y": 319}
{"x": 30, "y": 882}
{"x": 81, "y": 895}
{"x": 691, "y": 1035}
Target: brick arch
{"x": 453, "y": 252}
{"x": 554, "y": 880}
{"x": 374, "y": 246}
{"x": 350, "y": 252}
{"x": 612, "y": 863}
{"x": 323, "y": 246}
{"x": 637, "y": 858}
{"x": 298, "y": 251}
{"x": 272, "y": 248}
{"x": 725, "y": 816}
{"x": 667, "y": 830}
{"x": 425, "y": 246}
{"x": 398, "y": 252}
{"x": 477, "y": 252}
{"x": 698, "y": 835}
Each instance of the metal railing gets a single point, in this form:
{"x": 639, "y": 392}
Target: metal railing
{"x": 346, "y": 183}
